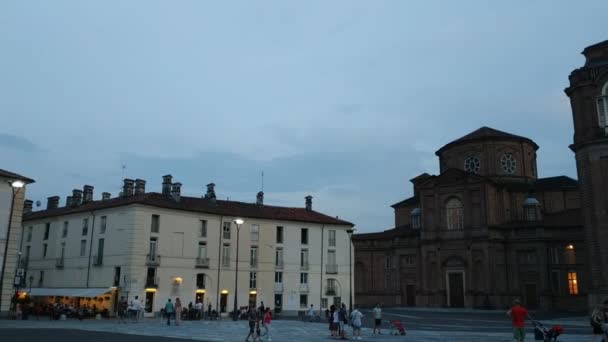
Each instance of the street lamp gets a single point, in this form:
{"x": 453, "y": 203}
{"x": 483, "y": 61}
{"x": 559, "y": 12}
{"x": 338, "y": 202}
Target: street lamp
{"x": 16, "y": 185}
{"x": 238, "y": 222}
{"x": 350, "y": 268}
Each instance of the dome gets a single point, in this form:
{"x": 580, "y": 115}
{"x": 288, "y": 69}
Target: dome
{"x": 415, "y": 211}
{"x": 531, "y": 201}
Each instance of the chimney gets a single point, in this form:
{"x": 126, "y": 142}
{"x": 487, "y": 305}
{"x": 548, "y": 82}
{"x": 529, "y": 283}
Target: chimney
{"x": 127, "y": 189}
{"x": 259, "y": 199}
{"x": 308, "y": 202}
{"x": 68, "y": 201}
{"x": 210, "y": 192}
{"x": 76, "y": 197}
{"x": 176, "y": 189}
{"x": 140, "y": 186}
{"x": 105, "y": 196}
{"x": 27, "y": 206}
{"x": 87, "y": 191}
{"x": 52, "y": 202}
{"x": 167, "y": 185}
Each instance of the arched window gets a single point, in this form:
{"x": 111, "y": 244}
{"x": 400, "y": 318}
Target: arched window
{"x": 531, "y": 209}
{"x": 454, "y": 214}
{"x": 602, "y": 108}
{"x": 415, "y": 216}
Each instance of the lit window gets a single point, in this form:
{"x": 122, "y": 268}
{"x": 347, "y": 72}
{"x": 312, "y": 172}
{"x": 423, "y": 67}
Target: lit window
{"x": 572, "y": 284}
{"x": 454, "y": 214}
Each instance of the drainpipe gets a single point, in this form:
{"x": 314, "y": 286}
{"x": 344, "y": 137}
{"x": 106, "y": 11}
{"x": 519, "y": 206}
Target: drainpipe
{"x": 91, "y": 248}
{"x": 321, "y": 278}
{"x": 219, "y": 266}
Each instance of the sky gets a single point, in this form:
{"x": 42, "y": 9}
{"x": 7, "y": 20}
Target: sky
{"x": 342, "y": 100}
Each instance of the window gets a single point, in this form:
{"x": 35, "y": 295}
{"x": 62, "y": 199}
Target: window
{"x": 602, "y": 108}
{"x": 41, "y": 279}
{"x": 303, "y": 301}
{"x": 44, "y": 250}
{"x": 388, "y": 280}
{"x": 408, "y": 259}
{"x": 508, "y": 163}
{"x": 304, "y": 236}
{"x": 152, "y": 249}
{"x": 278, "y": 260}
{"x": 331, "y": 257}
{"x": 226, "y": 230}
{"x": 278, "y": 277}
{"x": 116, "y": 276}
{"x": 83, "y": 247}
{"x": 200, "y": 281}
{"x": 454, "y": 214}
{"x": 472, "y": 164}
{"x": 100, "y": 244}
{"x": 202, "y": 250}
{"x": 555, "y": 275}
{"x": 331, "y": 287}
{"x": 415, "y": 217}
{"x": 85, "y": 227}
{"x": 253, "y": 256}
{"x": 572, "y": 284}
{"x": 62, "y": 251}
{"x": 255, "y": 232}
{"x": 530, "y": 212}
{"x": 203, "y": 229}
{"x": 304, "y": 258}
{"x": 102, "y": 224}
{"x": 29, "y": 233}
{"x": 554, "y": 255}
{"x": 226, "y": 255}
{"x": 155, "y": 224}
{"x": 279, "y": 234}
{"x": 64, "y": 232}
{"x": 323, "y": 303}
{"x": 303, "y": 278}
{"x": 47, "y": 229}
{"x": 253, "y": 279}
{"x": 526, "y": 257}
{"x": 332, "y": 238}
{"x": 388, "y": 262}
{"x": 570, "y": 257}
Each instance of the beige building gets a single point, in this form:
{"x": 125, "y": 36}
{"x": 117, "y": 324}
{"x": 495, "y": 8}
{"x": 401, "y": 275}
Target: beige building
{"x": 164, "y": 245}
{"x": 12, "y": 191}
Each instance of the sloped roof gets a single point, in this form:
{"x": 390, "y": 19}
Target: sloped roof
{"x": 196, "y": 204}
{"x": 486, "y": 133}
{"x": 558, "y": 182}
{"x": 8, "y": 174}
{"x": 405, "y": 202}
{"x": 405, "y": 231}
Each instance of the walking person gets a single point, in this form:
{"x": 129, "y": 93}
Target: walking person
{"x": 178, "y": 311}
{"x": 343, "y": 320}
{"x": 252, "y": 317}
{"x": 310, "y": 314}
{"x": 135, "y": 308}
{"x": 518, "y": 315}
{"x": 356, "y": 318}
{"x": 266, "y": 320}
{"x": 597, "y": 322}
{"x": 169, "y": 309}
{"x": 336, "y": 320}
{"x": 198, "y": 307}
{"x": 123, "y": 306}
{"x": 377, "y": 319}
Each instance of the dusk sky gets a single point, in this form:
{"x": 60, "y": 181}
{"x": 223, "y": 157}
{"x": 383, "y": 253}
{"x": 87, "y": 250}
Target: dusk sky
{"x": 342, "y": 100}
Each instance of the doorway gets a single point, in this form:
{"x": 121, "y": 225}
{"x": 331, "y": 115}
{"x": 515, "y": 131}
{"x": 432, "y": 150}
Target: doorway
{"x": 531, "y": 296}
{"x": 223, "y": 302}
{"x": 455, "y": 289}
{"x": 278, "y": 302}
{"x": 149, "y": 302}
{"x": 252, "y": 300}
{"x": 200, "y": 297}
{"x": 410, "y": 295}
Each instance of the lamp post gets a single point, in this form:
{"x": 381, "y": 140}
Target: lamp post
{"x": 16, "y": 185}
{"x": 238, "y": 223}
{"x": 350, "y": 269}
{"x": 31, "y": 279}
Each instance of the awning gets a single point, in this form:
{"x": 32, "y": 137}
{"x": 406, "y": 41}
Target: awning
{"x": 68, "y": 292}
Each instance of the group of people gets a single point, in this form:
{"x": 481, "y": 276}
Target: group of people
{"x": 338, "y": 318}
{"x": 130, "y": 311}
{"x": 599, "y": 322}
{"x": 259, "y": 319}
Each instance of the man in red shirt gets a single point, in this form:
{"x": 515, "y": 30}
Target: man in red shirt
{"x": 518, "y": 314}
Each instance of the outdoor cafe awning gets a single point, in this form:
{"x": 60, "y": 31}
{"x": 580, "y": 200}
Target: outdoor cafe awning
{"x": 68, "y": 292}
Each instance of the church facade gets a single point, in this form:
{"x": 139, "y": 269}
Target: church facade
{"x": 484, "y": 231}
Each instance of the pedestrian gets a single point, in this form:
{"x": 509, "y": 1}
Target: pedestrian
{"x": 356, "y": 320}
{"x": 266, "y": 323}
{"x": 199, "y": 309}
{"x": 518, "y": 315}
{"x": 252, "y": 317}
{"x": 310, "y": 314}
{"x": 122, "y": 310}
{"x": 261, "y": 310}
{"x": 377, "y": 319}
{"x": 169, "y": 310}
{"x": 597, "y": 322}
{"x": 329, "y": 315}
{"x": 336, "y": 320}
{"x": 190, "y": 311}
{"x": 135, "y": 306}
{"x": 178, "y": 311}
{"x": 343, "y": 320}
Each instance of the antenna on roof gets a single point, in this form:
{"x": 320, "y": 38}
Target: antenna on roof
{"x": 123, "y": 168}
{"x": 262, "y": 181}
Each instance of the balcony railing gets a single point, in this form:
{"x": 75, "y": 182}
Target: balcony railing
{"x": 330, "y": 291}
{"x": 59, "y": 262}
{"x": 304, "y": 288}
{"x": 304, "y": 266}
{"x": 98, "y": 260}
{"x": 278, "y": 264}
{"x": 152, "y": 282}
{"x": 331, "y": 269}
{"x": 278, "y": 287}
{"x": 202, "y": 262}
{"x": 200, "y": 286}
{"x": 152, "y": 260}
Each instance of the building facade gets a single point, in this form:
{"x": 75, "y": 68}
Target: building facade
{"x": 12, "y": 193}
{"x": 483, "y": 232}
{"x": 163, "y": 245}
{"x": 588, "y": 92}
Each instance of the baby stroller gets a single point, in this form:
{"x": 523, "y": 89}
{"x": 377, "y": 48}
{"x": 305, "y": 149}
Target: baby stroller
{"x": 397, "y": 328}
{"x": 541, "y": 333}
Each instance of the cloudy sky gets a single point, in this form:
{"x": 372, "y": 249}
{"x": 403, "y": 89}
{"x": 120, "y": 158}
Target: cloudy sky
{"x": 343, "y": 100}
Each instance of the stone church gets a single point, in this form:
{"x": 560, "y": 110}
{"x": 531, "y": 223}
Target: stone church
{"x": 487, "y": 230}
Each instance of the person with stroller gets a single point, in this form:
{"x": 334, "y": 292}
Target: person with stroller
{"x": 518, "y": 315}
